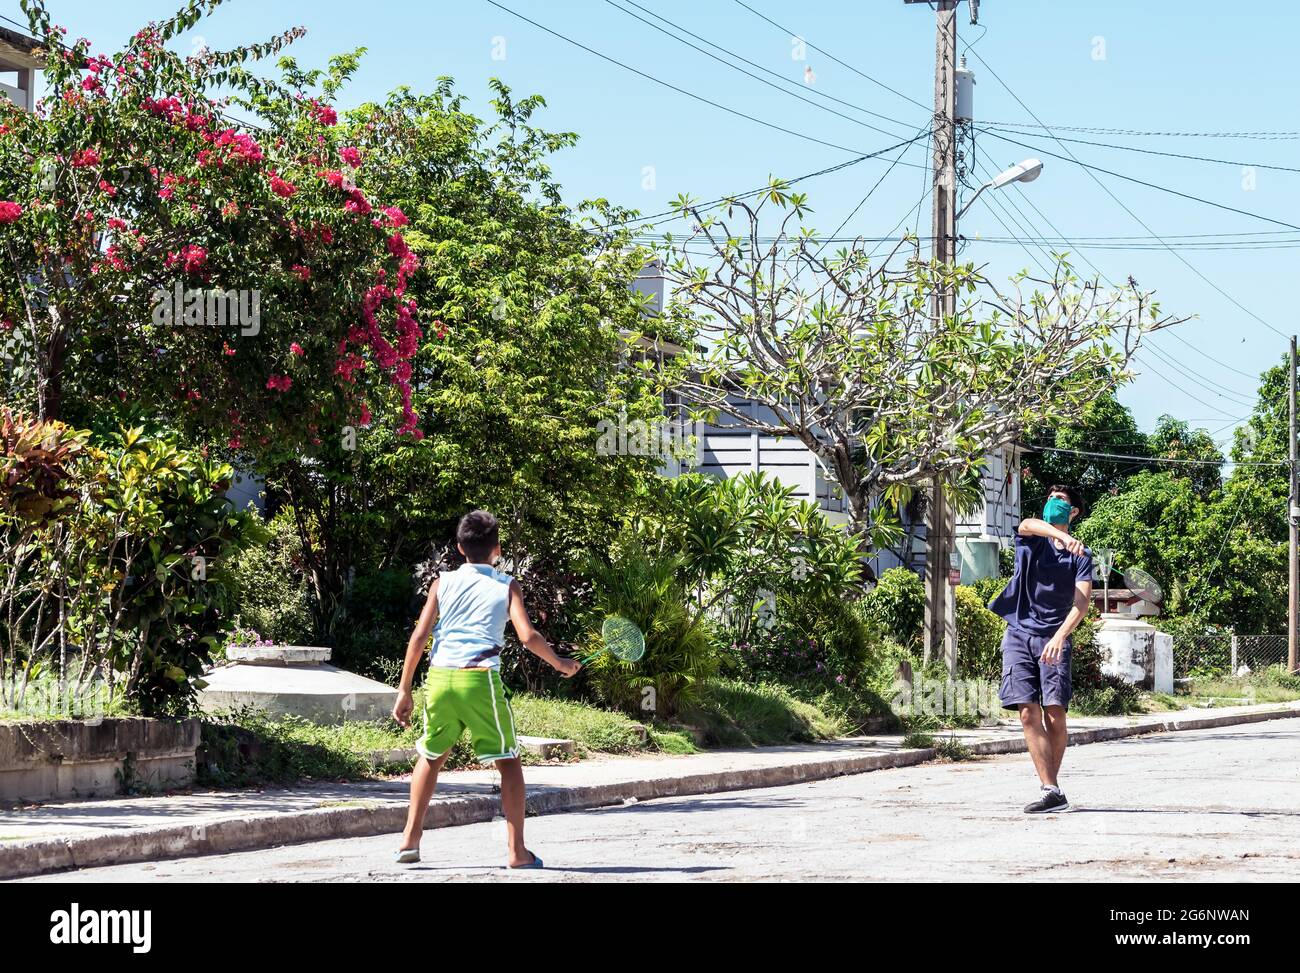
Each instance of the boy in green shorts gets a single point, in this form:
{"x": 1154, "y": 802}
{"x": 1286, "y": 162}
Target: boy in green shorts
{"x": 464, "y": 690}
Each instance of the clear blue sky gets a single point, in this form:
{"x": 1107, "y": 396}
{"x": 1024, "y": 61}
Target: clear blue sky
{"x": 1194, "y": 66}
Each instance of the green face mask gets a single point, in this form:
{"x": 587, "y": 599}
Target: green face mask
{"x": 1056, "y": 511}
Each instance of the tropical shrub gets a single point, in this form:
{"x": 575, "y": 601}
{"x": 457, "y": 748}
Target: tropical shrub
{"x": 679, "y": 647}
{"x": 897, "y": 605}
{"x": 119, "y": 588}
{"x": 378, "y": 614}
{"x": 268, "y": 589}
{"x": 979, "y": 636}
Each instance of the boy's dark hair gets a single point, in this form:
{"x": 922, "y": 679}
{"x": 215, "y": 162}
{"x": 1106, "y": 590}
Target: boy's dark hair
{"x": 1076, "y": 499}
{"x": 477, "y": 534}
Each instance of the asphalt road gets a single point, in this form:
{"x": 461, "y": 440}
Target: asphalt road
{"x": 1219, "y": 804}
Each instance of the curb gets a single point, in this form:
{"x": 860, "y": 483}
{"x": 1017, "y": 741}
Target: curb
{"x": 365, "y": 819}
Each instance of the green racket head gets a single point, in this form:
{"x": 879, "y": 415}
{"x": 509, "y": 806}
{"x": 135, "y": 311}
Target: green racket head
{"x": 622, "y": 638}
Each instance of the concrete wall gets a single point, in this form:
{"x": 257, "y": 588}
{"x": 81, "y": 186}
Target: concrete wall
{"x": 65, "y": 759}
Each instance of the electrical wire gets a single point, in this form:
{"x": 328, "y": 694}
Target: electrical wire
{"x": 1130, "y": 212}
{"x": 677, "y": 214}
{"x": 991, "y": 129}
{"x": 924, "y": 132}
{"x": 1137, "y": 133}
{"x": 1150, "y": 459}
{"x": 753, "y": 64}
{"x": 929, "y": 109}
{"x": 672, "y": 87}
{"x": 1134, "y": 179}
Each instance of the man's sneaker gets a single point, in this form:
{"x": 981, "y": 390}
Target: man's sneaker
{"x": 1050, "y": 801}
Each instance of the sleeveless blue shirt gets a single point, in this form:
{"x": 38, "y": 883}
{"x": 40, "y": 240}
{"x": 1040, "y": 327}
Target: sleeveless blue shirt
{"x": 473, "y": 605}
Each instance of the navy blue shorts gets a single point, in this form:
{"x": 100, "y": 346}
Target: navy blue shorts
{"x": 1027, "y": 680}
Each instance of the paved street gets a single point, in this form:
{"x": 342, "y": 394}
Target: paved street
{"x": 1220, "y": 804}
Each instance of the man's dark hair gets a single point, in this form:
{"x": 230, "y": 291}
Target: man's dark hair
{"x": 477, "y": 535}
{"x": 1076, "y": 499}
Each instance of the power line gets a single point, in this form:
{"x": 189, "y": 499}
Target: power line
{"x": 672, "y": 87}
{"x": 1186, "y": 370}
{"x": 924, "y": 132}
{"x": 1126, "y": 209}
{"x": 677, "y": 214}
{"x": 929, "y": 109}
{"x": 1172, "y": 155}
{"x": 1148, "y": 459}
{"x": 753, "y": 64}
{"x": 1134, "y": 179}
{"x": 1095, "y": 130}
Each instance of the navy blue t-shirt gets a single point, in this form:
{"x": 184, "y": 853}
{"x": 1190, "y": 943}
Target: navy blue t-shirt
{"x": 1041, "y": 592}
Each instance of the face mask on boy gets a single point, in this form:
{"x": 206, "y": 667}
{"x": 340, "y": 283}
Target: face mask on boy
{"x": 1056, "y": 511}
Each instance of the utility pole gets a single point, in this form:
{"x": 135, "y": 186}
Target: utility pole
{"x": 940, "y": 610}
{"x": 1292, "y": 606}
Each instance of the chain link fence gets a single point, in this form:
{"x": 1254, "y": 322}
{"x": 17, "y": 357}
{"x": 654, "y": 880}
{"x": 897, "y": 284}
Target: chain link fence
{"x": 1227, "y": 654}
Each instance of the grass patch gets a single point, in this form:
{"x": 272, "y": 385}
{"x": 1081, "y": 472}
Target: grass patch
{"x": 593, "y": 730}
{"x": 673, "y": 741}
{"x": 731, "y": 713}
{"x": 953, "y": 749}
{"x": 246, "y": 748}
{"x": 918, "y": 740}
{"x": 1271, "y": 685}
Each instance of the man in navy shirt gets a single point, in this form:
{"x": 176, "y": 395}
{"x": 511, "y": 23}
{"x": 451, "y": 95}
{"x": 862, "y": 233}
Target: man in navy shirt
{"x": 1045, "y": 600}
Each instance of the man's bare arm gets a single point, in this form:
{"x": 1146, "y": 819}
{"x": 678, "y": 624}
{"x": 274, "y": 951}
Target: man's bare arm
{"x": 1033, "y": 527}
{"x": 1078, "y": 612}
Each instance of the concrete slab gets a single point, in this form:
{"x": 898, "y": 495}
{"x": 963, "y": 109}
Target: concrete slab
{"x": 317, "y": 692}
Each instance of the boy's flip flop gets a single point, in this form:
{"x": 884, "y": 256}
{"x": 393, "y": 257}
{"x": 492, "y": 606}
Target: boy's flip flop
{"x": 535, "y": 863}
{"x": 407, "y": 856}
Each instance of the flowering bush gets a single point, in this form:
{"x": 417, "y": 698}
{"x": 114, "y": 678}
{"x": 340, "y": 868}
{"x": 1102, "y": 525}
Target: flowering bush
{"x": 131, "y": 183}
{"x": 783, "y": 657}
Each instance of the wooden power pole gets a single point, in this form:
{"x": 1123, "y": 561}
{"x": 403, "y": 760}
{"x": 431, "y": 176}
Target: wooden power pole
{"x": 1293, "y": 522}
{"x": 940, "y": 610}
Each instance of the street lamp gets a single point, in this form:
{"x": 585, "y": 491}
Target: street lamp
{"x": 1026, "y": 171}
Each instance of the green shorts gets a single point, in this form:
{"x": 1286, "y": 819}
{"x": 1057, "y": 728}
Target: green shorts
{"x": 473, "y": 699}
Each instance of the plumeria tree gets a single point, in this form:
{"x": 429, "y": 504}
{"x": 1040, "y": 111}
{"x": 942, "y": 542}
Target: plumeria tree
{"x": 845, "y": 355}
{"x": 158, "y": 255}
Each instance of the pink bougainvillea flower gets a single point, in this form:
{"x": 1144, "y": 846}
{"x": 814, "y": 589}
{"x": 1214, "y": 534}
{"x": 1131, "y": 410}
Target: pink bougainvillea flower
{"x": 297, "y": 349}
{"x": 357, "y": 203}
{"x": 395, "y": 216}
{"x": 282, "y": 188}
{"x": 85, "y": 159}
{"x": 325, "y": 115}
{"x": 9, "y": 211}
{"x": 350, "y": 155}
{"x": 107, "y": 188}
{"x": 230, "y": 208}
{"x": 194, "y": 258}
{"x": 304, "y": 273}
{"x": 279, "y": 383}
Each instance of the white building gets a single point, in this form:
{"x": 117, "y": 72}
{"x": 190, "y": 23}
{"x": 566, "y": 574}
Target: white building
{"x": 18, "y": 68}
{"x": 728, "y": 448}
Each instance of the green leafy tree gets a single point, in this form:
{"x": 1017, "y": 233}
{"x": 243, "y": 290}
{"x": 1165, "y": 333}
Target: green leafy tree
{"x": 524, "y": 356}
{"x": 1175, "y": 439}
{"x": 131, "y": 185}
{"x": 1105, "y": 426}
